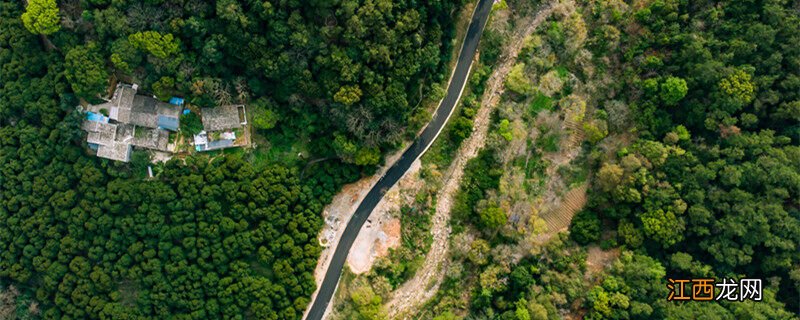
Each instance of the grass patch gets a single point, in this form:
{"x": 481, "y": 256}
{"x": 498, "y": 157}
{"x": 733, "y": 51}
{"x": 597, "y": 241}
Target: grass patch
{"x": 577, "y": 172}
{"x": 548, "y": 142}
{"x": 279, "y": 148}
{"x": 540, "y": 102}
{"x": 562, "y": 71}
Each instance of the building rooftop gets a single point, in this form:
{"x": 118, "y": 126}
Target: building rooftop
{"x": 128, "y": 107}
{"x": 100, "y": 133}
{"x": 223, "y": 117}
{"x": 150, "y": 138}
{"x": 143, "y": 121}
{"x": 115, "y": 151}
{"x": 122, "y": 103}
{"x": 169, "y": 123}
{"x": 148, "y": 111}
{"x": 138, "y": 120}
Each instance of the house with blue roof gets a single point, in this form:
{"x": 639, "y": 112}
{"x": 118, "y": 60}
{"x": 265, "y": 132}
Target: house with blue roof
{"x": 130, "y": 120}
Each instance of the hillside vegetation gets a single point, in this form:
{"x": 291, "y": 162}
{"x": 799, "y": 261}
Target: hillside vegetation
{"x": 683, "y": 118}
{"x": 228, "y": 235}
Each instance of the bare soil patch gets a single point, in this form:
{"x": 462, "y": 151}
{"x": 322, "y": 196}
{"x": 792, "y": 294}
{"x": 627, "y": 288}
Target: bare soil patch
{"x": 599, "y": 259}
{"x": 382, "y": 230}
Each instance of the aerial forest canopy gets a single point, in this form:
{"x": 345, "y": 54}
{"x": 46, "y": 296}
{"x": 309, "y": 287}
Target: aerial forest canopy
{"x": 208, "y": 237}
{"x": 354, "y": 70}
{"x": 712, "y": 186}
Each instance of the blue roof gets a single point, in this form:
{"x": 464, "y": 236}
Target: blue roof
{"x": 219, "y": 144}
{"x": 167, "y": 122}
{"x": 214, "y": 145}
{"x": 176, "y": 101}
{"x": 187, "y": 111}
{"x": 91, "y": 116}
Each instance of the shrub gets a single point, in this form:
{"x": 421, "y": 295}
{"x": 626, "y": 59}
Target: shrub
{"x": 191, "y": 124}
{"x": 585, "y": 227}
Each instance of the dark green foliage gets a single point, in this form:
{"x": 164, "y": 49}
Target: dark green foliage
{"x": 548, "y": 142}
{"x": 203, "y": 223}
{"x": 87, "y": 239}
{"x": 480, "y": 175}
{"x": 29, "y": 75}
{"x": 491, "y": 45}
{"x": 191, "y": 123}
{"x": 585, "y": 227}
{"x": 86, "y": 71}
{"x": 461, "y": 129}
{"x": 540, "y": 284}
{"x": 351, "y": 67}
{"x": 716, "y": 166}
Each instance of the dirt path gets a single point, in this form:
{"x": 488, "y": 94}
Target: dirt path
{"x": 415, "y": 292}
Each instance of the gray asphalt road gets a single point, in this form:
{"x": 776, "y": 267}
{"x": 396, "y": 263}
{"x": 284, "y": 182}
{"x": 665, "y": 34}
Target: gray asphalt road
{"x": 396, "y": 171}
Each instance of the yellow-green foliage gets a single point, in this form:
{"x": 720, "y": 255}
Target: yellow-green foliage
{"x": 739, "y": 86}
{"x": 154, "y": 43}
{"x": 41, "y": 17}
{"x": 595, "y": 130}
{"x": 517, "y": 81}
{"x": 348, "y": 95}
{"x": 500, "y": 5}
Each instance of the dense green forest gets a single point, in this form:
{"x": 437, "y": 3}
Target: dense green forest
{"x": 712, "y": 187}
{"x": 689, "y": 113}
{"x": 351, "y": 72}
{"x": 211, "y": 236}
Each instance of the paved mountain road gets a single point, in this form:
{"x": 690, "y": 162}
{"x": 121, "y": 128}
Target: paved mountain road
{"x": 399, "y": 168}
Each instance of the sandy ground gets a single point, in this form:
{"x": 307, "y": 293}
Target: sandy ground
{"x": 419, "y": 289}
{"x": 382, "y": 230}
{"x": 337, "y": 214}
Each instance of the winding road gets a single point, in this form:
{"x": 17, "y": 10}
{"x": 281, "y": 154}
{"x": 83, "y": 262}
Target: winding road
{"x": 457, "y": 82}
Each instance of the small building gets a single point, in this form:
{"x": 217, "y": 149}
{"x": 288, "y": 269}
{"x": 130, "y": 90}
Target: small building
{"x": 103, "y": 138}
{"x": 224, "y": 118}
{"x": 133, "y": 120}
{"x": 221, "y": 125}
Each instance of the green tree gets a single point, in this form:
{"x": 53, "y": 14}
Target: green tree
{"x": 673, "y": 89}
{"x": 155, "y": 43}
{"x": 124, "y": 56}
{"x": 163, "y": 88}
{"x": 191, "y": 123}
{"x": 86, "y": 71}
{"x": 367, "y": 156}
{"x": 738, "y": 86}
{"x": 517, "y": 81}
{"x": 492, "y": 217}
{"x": 348, "y": 95}
{"x": 504, "y": 129}
{"x": 461, "y": 129}
{"x": 264, "y": 119}
{"x": 609, "y": 176}
{"x": 585, "y": 227}
{"x": 41, "y": 17}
